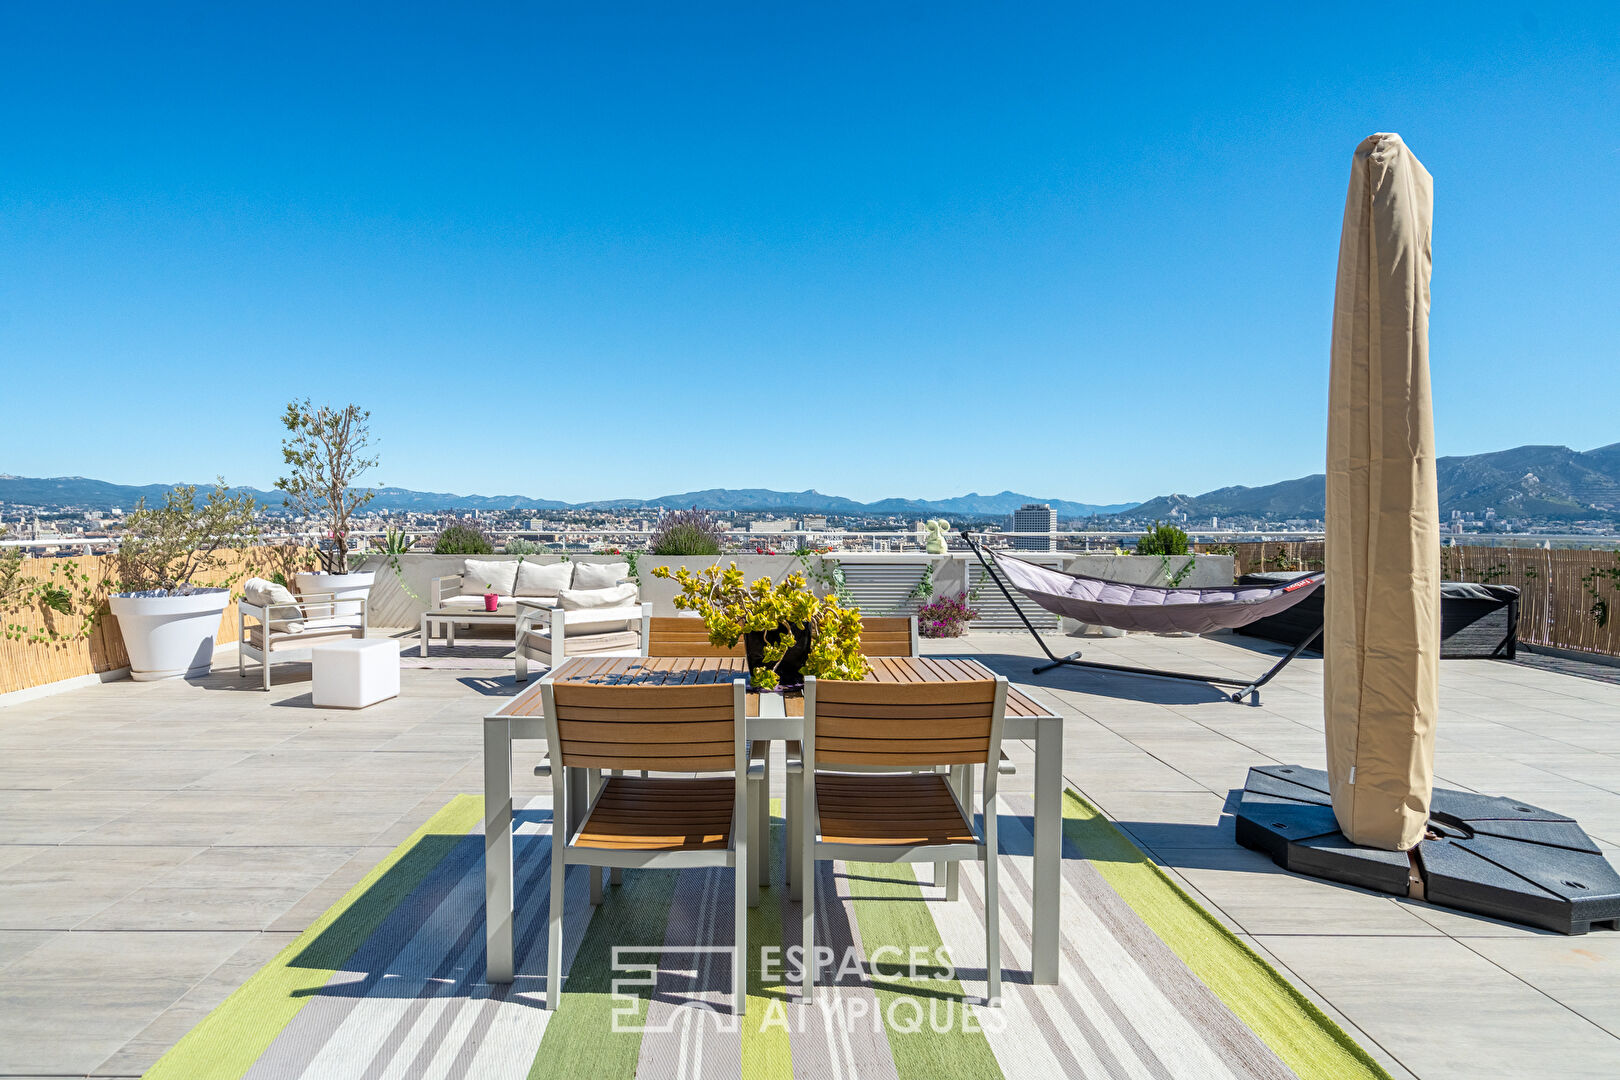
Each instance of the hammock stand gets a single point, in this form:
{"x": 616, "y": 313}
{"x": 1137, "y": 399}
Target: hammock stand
{"x": 1303, "y": 586}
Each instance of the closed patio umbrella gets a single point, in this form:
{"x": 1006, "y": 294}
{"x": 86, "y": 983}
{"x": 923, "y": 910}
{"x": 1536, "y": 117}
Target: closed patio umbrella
{"x": 1382, "y": 639}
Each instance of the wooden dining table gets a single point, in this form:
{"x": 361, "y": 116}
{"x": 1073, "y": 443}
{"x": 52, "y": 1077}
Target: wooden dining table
{"x": 771, "y": 716}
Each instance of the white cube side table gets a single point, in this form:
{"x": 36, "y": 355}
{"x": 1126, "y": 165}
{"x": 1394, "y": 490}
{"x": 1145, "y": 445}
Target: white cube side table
{"x": 354, "y": 673}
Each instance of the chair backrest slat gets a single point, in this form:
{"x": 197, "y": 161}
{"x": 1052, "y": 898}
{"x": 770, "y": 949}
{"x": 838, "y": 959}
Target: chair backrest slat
{"x": 904, "y": 724}
{"x": 886, "y": 635}
{"x": 671, "y": 728}
{"x": 677, "y": 636}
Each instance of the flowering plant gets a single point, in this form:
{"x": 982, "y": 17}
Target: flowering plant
{"x": 731, "y": 608}
{"x": 945, "y": 616}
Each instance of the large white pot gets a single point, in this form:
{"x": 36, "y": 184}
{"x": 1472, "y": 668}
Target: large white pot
{"x": 343, "y": 586}
{"x": 168, "y": 637}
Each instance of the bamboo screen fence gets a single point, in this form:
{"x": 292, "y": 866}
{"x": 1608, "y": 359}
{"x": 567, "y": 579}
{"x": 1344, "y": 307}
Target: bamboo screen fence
{"x": 25, "y": 664}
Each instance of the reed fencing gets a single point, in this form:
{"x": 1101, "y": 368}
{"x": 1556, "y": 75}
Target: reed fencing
{"x": 88, "y": 641}
{"x": 1569, "y": 599}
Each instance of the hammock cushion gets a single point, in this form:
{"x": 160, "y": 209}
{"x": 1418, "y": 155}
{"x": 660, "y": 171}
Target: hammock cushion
{"x": 1151, "y": 608}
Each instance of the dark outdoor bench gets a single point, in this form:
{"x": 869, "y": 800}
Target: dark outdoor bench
{"x": 1476, "y": 621}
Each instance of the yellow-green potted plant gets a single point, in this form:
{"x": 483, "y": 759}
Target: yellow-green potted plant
{"x": 787, "y": 631}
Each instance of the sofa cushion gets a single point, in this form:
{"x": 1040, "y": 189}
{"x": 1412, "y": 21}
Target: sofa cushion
{"x": 600, "y": 575}
{"x": 543, "y": 579}
{"x": 479, "y": 576}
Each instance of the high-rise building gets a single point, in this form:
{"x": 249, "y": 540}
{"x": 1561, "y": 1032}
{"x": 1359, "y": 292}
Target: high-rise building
{"x": 1033, "y": 518}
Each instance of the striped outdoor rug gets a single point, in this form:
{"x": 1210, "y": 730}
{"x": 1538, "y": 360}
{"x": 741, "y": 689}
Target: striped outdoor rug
{"x": 389, "y": 983}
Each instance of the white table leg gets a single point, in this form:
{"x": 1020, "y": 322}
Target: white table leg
{"x": 498, "y": 908}
{"x": 424, "y": 637}
{"x": 1048, "y": 847}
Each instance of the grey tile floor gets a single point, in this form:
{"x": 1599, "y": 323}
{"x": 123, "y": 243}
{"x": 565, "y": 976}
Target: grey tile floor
{"x": 159, "y": 842}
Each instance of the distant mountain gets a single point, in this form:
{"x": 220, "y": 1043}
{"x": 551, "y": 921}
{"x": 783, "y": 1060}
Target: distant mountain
{"x": 1552, "y": 482}
{"x": 78, "y": 491}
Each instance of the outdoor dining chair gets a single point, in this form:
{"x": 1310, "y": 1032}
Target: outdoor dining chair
{"x": 900, "y": 816}
{"x": 669, "y": 823}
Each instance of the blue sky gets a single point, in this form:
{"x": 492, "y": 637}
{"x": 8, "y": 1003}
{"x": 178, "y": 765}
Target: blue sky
{"x": 614, "y": 250}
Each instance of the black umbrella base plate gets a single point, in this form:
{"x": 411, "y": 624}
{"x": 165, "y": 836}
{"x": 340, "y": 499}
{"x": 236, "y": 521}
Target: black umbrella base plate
{"x": 1487, "y": 855}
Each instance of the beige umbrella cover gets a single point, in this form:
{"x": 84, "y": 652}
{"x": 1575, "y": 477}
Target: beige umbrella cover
{"x": 1383, "y": 516}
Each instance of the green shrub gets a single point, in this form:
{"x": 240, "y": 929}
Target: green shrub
{"x": 462, "y": 539}
{"x": 1163, "y": 539}
{"x": 519, "y": 546}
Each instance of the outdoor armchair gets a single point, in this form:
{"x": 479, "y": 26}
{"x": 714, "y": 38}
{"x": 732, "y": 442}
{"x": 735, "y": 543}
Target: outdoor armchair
{"x": 277, "y": 626}
{"x": 549, "y": 635}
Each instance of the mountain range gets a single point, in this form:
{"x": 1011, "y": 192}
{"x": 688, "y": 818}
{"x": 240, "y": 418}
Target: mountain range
{"x": 78, "y": 491}
{"x": 1546, "y": 482}
{"x": 1549, "y": 482}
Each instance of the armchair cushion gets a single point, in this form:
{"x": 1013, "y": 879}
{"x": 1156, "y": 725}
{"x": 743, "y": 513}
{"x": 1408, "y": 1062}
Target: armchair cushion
{"x": 262, "y": 593}
{"x": 588, "y": 599}
{"x": 543, "y": 579}
{"x": 600, "y": 575}
{"x": 479, "y": 576}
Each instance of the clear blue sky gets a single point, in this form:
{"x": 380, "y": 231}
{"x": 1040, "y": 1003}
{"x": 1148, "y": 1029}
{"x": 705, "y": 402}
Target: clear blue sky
{"x": 1080, "y": 253}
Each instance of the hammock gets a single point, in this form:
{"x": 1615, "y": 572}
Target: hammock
{"x": 1148, "y": 608}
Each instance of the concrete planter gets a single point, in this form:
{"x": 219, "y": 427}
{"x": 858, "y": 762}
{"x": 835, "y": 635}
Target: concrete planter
{"x": 351, "y": 586}
{"x": 169, "y": 636}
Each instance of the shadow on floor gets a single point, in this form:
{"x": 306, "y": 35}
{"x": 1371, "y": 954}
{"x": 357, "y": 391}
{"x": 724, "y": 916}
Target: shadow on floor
{"x": 1114, "y": 684}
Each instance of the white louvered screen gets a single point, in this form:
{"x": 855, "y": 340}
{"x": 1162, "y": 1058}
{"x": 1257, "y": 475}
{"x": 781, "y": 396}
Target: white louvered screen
{"x": 882, "y": 588}
{"x": 995, "y": 613}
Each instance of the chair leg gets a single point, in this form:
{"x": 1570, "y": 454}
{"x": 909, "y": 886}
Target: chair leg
{"x": 596, "y": 885}
{"x": 762, "y": 828}
{"x": 745, "y": 894}
{"x": 806, "y": 883}
{"x": 616, "y": 875}
{"x": 992, "y": 910}
{"x": 554, "y": 947}
{"x": 756, "y": 849}
{"x": 792, "y": 872}
{"x": 264, "y": 664}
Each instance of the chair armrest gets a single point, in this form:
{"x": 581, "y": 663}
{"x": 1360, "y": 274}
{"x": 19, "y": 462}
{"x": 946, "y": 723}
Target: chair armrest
{"x": 310, "y": 597}
{"x": 436, "y": 589}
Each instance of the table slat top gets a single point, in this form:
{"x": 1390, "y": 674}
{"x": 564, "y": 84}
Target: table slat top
{"x": 679, "y": 670}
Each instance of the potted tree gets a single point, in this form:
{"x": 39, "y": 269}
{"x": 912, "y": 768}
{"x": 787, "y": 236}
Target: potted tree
{"x": 324, "y": 450}
{"x": 169, "y": 620}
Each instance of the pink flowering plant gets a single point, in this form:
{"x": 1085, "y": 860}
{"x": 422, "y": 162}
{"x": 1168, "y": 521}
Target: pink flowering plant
{"x": 945, "y": 616}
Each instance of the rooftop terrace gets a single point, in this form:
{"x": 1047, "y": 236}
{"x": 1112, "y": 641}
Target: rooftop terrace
{"x": 162, "y": 841}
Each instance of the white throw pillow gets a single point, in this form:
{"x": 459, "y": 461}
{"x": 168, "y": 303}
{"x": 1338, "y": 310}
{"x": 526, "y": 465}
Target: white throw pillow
{"x": 588, "y": 599}
{"x": 543, "y": 579}
{"x": 480, "y": 576}
{"x": 600, "y": 575}
{"x": 263, "y": 593}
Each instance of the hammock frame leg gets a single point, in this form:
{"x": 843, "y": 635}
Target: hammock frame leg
{"x": 1249, "y": 689}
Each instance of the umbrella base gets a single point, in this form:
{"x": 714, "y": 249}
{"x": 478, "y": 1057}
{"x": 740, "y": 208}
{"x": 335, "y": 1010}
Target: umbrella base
{"x": 1487, "y": 855}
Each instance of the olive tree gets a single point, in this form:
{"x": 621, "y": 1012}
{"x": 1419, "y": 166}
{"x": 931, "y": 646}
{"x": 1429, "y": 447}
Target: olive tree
{"x": 324, "y": 449}
{"x": 166, "y": 548}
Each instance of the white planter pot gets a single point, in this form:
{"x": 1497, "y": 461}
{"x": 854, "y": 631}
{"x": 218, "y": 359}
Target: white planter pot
{"x": 169, "y": 637}
{"x": 355, "y": 586}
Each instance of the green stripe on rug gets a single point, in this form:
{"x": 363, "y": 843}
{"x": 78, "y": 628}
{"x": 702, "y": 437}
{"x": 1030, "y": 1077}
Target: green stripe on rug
{"x": 766, "y": 1052}
{"x": 579, "y": 1039}
{"x": 925, "y": 1053}
{"x": 1285, "y": 1020}
{"x": 232, "y": 1037}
